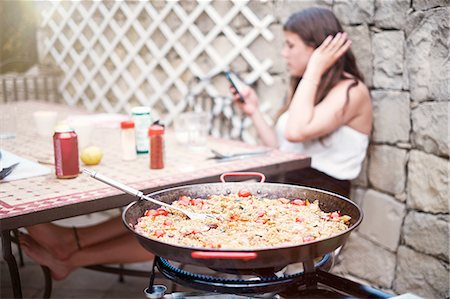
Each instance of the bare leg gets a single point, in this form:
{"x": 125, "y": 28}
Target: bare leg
{"x": 124, "y": 249}
{"x": 60, "y": 241}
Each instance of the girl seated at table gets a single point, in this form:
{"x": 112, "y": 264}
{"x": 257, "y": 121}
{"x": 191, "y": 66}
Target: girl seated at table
{"x": 328, "y": 116}
{"x": 328, "y": 112}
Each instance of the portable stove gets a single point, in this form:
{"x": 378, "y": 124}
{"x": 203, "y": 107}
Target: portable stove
{"x": 313, "y": 281}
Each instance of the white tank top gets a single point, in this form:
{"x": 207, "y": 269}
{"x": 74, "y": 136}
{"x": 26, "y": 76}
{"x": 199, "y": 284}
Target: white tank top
{"x": 340, "y": 154}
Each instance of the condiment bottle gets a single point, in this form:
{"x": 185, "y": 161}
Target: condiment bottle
{"x": 128, "y": 140}
{"x": 156, "y": 134}
{"x": 142, "y": 121}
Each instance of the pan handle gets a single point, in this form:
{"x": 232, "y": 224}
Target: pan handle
{"x": 262, "y": 176}
{"x": 224, "y": 255}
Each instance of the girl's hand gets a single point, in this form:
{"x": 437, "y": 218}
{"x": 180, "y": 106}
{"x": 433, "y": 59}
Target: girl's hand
{"x": 251, "y": 102}
{"x": 331, "y": 49}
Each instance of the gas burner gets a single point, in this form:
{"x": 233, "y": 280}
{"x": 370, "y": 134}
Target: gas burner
{"x": 311, "y": 281}
{"x": 238, "y": 283}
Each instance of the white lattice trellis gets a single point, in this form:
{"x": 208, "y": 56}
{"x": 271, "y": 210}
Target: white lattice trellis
{"x": 118, "y": 54}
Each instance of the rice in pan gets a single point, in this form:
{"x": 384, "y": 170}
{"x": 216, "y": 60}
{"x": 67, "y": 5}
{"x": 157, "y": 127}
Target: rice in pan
{"x": 242, "y": 221}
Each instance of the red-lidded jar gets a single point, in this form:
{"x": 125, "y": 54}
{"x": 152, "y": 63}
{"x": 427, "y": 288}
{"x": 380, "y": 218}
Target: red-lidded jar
{"x": 156, "y": 136}
{"x": 128, "y": 140}
{"x": 65, "y": 146}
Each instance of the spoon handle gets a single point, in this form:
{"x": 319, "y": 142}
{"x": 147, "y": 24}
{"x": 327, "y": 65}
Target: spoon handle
{"x": 123, "y": 187}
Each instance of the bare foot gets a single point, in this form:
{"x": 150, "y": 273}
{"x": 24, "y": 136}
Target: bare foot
{"x": 60, "y": 269}
{"x": 59, "y": 241}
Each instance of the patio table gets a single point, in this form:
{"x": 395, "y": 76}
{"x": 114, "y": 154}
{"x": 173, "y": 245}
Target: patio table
{"x": 45, "y": 198}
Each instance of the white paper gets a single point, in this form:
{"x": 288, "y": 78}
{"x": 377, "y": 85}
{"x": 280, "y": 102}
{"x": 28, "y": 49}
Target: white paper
{"x": 25, "y": 169}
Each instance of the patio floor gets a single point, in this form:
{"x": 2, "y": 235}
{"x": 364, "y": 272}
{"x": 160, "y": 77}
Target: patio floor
{"x": 85, "y": 283}
{"x": 82, "y": 283}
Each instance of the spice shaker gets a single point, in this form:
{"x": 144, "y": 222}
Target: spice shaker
{"x": 128, "y": 140}
{"x": 156, "y": 134}
{"x": 142, "y": 121}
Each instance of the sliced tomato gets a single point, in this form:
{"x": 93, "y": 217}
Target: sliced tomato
{"x": 335, "y": 215}
{"x": 284, "y": 200}
{"x": 162, "y": 212}
{"x": 196, "y": 201}
{"x": 308, "y": 239}
{"x": 168, "y": 222}
{"x": 299, "y": 219}
{"x": 151, "y": 213}
{"x": 159, "y": 233}
{"x": 184, "y": 200}
{"x": 299, "y": 202}
{"x": 244, "y": 193}
{"x": 234, "y": 217}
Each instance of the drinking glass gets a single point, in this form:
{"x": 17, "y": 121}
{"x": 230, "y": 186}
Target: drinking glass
{"x": 191, "y": 129}
{"x": 8, "y": 124}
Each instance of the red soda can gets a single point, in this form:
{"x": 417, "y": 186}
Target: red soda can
{"x": 65, "y": 145}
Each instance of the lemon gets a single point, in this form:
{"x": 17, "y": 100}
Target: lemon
{"x": 91, "y": 155}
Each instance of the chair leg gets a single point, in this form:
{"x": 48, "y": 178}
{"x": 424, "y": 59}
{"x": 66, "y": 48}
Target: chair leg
{"x": 15, "y": 239}
{"x": 48, "y": 282}
{"x": 9, "y": 258}
{"x": 121, "y": 276}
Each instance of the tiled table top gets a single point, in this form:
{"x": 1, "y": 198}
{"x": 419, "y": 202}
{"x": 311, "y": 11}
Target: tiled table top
{"x": 46, "y": 198}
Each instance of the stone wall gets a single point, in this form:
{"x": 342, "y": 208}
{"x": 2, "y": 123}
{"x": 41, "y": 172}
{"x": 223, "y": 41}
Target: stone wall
{"x": 402, "y": 47}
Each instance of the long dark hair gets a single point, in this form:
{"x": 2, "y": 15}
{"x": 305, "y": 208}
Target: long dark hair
{"x": 313, "y": 25}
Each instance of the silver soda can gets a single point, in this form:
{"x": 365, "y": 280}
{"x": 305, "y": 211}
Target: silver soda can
{"x": 142, "y": 120}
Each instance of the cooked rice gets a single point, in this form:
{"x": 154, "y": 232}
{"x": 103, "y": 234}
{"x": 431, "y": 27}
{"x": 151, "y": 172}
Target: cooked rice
{"x": 241, "y": 223}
